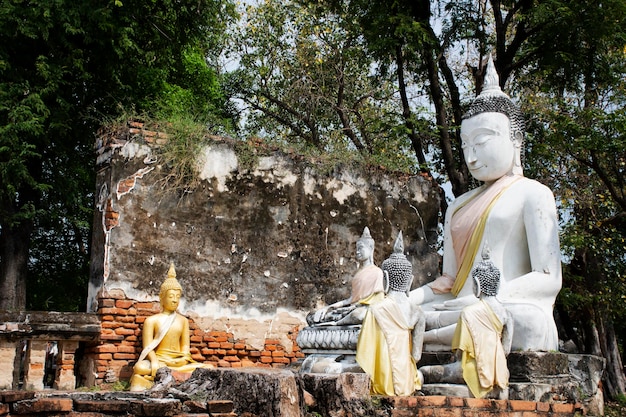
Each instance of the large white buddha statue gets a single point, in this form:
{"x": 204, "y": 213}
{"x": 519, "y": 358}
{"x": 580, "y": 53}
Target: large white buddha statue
{"x": 513, "y": 215}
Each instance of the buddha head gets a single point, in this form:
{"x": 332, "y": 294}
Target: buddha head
{"x": 492, "y": 132}
{"x": 170, "y": 291}
{"x": 486, "y": 276}
{"x": 398, "y": 269}
{"x": 365, "y": 246}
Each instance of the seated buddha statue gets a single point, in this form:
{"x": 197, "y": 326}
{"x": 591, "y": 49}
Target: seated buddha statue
{"x": 390, "y": 341}
{"x": 515, "y": 215}
{"x": 482, "y": 338}
{"x": 165, "y": 339}
{"x": 366, "y": 284}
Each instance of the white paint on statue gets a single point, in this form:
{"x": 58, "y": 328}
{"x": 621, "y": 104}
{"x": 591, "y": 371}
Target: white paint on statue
{"x": 516, "y": 215}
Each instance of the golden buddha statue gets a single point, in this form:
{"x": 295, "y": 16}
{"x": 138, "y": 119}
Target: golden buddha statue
{"x": 165, "y": 338}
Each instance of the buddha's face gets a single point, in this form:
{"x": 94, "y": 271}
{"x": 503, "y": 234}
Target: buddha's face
{"x": 487, "y": 146}
{"x": 170, "y": 300}
{"x": 363, "y": 251}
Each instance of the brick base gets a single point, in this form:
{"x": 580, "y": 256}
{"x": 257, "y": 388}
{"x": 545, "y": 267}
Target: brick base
{"x": 16, "y": 403}
{"x": 120, "y": 343}
{"x": 439, "y": 406}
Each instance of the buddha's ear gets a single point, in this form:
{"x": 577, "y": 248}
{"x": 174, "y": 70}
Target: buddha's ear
{"x": 385, "y": 281}
{"x": 518, "y": 139}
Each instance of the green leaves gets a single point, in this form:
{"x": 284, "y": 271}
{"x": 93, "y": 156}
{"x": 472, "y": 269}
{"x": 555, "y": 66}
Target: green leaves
{"x": 66, "y": 66}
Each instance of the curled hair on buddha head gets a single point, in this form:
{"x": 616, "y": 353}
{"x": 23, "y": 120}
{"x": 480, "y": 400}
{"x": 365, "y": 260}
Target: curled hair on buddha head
{"x": 170, "y": 283}
{"x": 398, "y": 268}
{"x": 493, "y": 99}
{"x": 486, "y": 275}
{"x": 366, "y": 238}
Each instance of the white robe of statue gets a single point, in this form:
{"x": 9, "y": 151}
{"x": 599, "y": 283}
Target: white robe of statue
{"x": 519, "y": 226}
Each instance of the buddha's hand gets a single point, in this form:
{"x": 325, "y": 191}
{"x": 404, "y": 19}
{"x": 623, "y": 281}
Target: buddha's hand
{"x": 456, "y": 304}
{"x": 177, "y": 362}
{"x": 154, "y": 367}
{"x": 320, "y": 314}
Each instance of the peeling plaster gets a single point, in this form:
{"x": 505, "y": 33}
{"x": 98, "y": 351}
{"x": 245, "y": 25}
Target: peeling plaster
{"x": 343, "y": 190}
{"x": 135, "y": 150}
{"x": 254, "y": 330}
{"x": 280, "y": 214}
{"x": 275, "y": 170}
{"x": 309, "y": 183}
{"x": 303, "y": 237}
{"x": 217, "y": 162}
{"x": 127, "y": 184}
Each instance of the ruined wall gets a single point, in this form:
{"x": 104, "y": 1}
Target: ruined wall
{"x": 255, "y": 248}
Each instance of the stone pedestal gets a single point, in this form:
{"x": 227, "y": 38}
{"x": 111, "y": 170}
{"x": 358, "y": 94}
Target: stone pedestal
{"x": 550, "y": 377}
{"x": 329, "y": 349}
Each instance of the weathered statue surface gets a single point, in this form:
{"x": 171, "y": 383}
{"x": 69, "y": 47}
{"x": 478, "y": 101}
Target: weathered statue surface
{"x": 514, "y": 215}
{"x": 165, "y": 339}
{"x": 482, "y": 338}
{"x": 366, "y": 283}
{"x": 390, "y": 342}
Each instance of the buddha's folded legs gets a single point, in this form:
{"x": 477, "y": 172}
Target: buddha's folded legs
{"x": 441, "y": 336}
{"x": 440, "y": 319}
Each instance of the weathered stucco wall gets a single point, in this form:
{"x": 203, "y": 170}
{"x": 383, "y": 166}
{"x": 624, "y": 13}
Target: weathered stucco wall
{"x": 254, "y": 249}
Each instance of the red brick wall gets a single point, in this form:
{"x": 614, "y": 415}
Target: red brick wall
{"x": 120, "y": 341}
{"x": 439, "y": 406}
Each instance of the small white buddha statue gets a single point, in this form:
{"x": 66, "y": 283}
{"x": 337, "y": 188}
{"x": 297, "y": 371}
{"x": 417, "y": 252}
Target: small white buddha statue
{"x": 482, "y": 339}
{"x": 365, "y": 284}
{"x": 390, "y": 341}
{"x": 516, "y": 215}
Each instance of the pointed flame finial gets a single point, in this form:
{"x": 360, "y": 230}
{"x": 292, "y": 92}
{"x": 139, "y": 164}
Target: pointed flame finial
{"x": 170, "y": 283}
{"x": 491, "y": 83}
{"x": 398, "y": 246}
{"x": 171, "y": 273}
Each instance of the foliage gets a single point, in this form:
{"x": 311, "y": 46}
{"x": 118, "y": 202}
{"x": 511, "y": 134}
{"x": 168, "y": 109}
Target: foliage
{"x": 577, "y": 142}
{"x": 185, "y": 139}
{"x": 120, "y": 386}
{"x": 617, "y": 408}
{"x": 306, "y": 80}
{"x": 64, "y": 67}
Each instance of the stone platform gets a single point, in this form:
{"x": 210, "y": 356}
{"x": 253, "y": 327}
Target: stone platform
{"x": 549, "y": 377}
{"x": 329, "y": 349}
{"x": 102, "y": 404}
{"x": 254, "y": 392}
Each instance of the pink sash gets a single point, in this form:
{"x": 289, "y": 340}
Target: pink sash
{"x": 468, "y": 225}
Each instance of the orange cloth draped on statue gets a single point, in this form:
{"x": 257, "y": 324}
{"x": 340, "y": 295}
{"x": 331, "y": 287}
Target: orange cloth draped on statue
{"x": 367, "y": 281}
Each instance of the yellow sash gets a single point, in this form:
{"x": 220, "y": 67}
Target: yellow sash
{"x": 384, "y": 349}
{"x": 478, "y": 335}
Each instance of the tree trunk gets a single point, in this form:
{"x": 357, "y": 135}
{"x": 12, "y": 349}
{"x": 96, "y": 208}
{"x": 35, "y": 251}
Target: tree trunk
{"x": 418, "y": 147}
{"x": 14, "y": 245}
{"x": 598, "y": 332}
{"x": 613, "y": 380}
